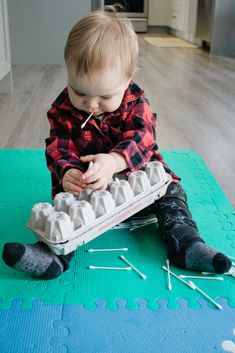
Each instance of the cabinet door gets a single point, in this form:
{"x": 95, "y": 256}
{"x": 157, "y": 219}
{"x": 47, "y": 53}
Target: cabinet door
{"x": 5, "y": 65}
{"x": 178, "y": 11}
{"x": 158, "y": 12}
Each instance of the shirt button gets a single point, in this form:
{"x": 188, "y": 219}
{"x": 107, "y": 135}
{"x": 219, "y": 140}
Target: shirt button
{"x": 105, "y": 122}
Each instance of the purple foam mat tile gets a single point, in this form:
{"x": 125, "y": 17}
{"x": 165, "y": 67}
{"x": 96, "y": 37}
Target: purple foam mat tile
{"x": 163, "y": 330}
{"x": 29, "y": 330}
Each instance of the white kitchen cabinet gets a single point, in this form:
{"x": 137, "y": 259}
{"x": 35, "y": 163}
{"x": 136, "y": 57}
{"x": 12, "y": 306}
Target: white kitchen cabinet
{"x": 177, "y": 14}
{"x": 158, "y": 12}
{"x": 182, "y": 18}
{"x": 5, "y": 59}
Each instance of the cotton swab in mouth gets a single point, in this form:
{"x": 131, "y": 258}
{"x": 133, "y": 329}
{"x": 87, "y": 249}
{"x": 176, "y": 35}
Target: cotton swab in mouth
{"x": 109, "y": 268}
{"x": 168, "y": 275}
{"x": 193, "y": 286}
{"x": 84, "y": 124}
{"x": 133, "y": 267}
{"x": 100, "y": 250}
{"x": 203, "y": 277}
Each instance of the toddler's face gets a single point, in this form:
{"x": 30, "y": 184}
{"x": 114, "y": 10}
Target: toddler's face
{"x": 103, "y": 92}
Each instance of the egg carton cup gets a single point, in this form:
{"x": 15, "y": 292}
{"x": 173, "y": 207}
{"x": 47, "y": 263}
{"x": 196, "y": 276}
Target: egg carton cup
{"x": 74, "y": 221}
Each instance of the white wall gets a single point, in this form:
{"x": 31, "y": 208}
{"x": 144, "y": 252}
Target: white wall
{"x": 39, "y": 28}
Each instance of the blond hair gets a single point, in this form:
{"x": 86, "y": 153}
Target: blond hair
{"x": 104, "y": 37}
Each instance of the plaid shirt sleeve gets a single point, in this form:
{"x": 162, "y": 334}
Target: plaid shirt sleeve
{"x": 137, "y": 139}
{"x": 61, "y": 153}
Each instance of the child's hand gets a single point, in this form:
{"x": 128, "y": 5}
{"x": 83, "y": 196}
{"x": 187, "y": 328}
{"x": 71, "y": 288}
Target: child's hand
{"x": 98, "y": 176}
{"x": 73, "y": 182}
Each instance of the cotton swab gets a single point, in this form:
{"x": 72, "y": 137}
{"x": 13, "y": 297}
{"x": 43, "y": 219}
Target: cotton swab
{"x": 100, "y": 250}
{"x": 84, "y": 124}
{"x": 193, "y": 286}
{"x": 133, "y": 267}
{"x": 174, "y": 275}
{"x": 136, "y": 222}
{"x": 229, "y": 273}
{"x": 212, "y": 273}
{"x": 231, "y": 257}
{"x": 168, "y": 275}
{"x": 109, "y": 268}
{"x": 203, "y": 277}
{"x": 232, "y": 272}
{"x": 143, "y": 225}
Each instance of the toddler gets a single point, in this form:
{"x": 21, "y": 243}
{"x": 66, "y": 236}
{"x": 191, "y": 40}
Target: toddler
{"x": 102, "y": 116}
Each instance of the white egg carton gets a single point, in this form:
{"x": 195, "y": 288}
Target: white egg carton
{"x": 74, "y": 221}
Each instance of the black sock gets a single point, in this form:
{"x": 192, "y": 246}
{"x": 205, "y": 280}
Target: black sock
{"x": 36, "y": 259}
{"x": 201, "y": 257}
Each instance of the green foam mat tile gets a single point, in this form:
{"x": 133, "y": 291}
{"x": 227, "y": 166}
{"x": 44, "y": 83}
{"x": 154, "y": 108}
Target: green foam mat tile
{"x": 25, "y": 180}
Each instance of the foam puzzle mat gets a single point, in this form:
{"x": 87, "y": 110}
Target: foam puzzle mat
{"x": 98, "y": 311}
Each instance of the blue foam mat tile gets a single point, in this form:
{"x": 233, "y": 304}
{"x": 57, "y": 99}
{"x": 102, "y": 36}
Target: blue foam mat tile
{"x": 29, "y": 330}
{"x": 163, "y": 330}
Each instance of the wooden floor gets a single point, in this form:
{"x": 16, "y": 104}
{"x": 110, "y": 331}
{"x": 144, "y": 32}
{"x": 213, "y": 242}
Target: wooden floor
{"x": 192, "y": 92}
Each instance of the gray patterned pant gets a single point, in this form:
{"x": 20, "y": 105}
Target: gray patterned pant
{"x": 175, "y": 222}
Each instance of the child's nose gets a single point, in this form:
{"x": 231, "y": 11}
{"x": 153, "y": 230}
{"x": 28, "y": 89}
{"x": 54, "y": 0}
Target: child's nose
{"x": 93, "y": 103}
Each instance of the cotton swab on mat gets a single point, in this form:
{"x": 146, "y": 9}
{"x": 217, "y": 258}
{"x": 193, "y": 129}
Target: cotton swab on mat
{"x": 174, "y": 275}
{"x": 109, "y": 268}
{"x": 136, "y": 222}
{"x": 212, "y": 273}
{"x": 143, "y": 225}
{"x": 193, "y": 286}
{"x": 100, "y": 250}
{"x": 83, "y": 124}
{"x": 203, "y": 277}
{"x": 133, "y": 267}
{"x": 231, "y": 272}
{"x": 168, "y": 275}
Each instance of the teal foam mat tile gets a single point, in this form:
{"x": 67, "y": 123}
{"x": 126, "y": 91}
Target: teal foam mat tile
{"x": 26, "y": 181}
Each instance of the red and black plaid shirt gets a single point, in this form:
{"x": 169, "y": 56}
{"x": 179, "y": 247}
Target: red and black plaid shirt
{"x": 130, "y": 131}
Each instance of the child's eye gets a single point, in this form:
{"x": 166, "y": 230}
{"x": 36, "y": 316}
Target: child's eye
{"x": 78, "y": 93}
{"x": 106, "y": 97}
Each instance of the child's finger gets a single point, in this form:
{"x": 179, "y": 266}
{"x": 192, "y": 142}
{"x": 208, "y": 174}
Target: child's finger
{"x": 91, "y": 172}
{"x": 88, "y": 158}
{"x": 73, "y": 189}
{"x": 76, "y": 182}
{"x": 94, "y": 177}
{"x": 75, "y": 173}
{"x": 98, "y": 184}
